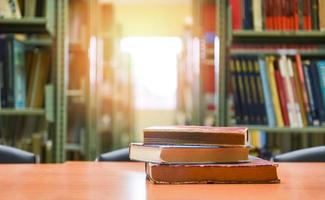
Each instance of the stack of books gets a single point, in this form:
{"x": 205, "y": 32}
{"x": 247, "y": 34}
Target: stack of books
{"x": 200, "y": 154}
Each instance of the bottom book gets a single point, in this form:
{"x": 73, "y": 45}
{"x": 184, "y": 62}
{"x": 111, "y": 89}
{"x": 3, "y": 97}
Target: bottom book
{"x": 255, "y": 171}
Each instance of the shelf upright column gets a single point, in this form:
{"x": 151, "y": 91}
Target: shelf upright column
{"x": 61, "y": 80}
{"x": 220, "y": 53}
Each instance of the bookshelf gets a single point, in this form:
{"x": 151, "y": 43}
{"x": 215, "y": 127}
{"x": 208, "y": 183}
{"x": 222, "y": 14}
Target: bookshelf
{"x": 309, "y": 44}
{"x": 250, "y": 36}
{"x": 17, "y": 112}
{"x": 239, "y": 43}
{"x": 40, "y": 32}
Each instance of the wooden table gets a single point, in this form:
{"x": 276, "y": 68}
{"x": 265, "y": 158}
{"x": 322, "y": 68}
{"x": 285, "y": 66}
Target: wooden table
{"x": 91, "y": 180}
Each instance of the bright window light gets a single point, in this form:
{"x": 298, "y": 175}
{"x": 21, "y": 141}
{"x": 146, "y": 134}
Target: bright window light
{"x": 154, "y": 69}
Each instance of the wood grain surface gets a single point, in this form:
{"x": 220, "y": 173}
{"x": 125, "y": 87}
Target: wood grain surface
{"x": 123, "y": 180}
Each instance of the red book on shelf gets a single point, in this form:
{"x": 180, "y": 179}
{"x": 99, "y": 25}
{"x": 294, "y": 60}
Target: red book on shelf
{"x": 307, "y": 14}
{"x": 267, "y": 7}
{"x": 282, "y": 97}
{"x": 302, "y": 81}
{"x": 295, "y": 15}
{"x": 236, "y": 11}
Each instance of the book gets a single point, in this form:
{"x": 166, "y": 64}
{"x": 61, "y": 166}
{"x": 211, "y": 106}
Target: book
{"x": 236, "y": 13}
{"x": 255, "y": 171}
{"x": 321, "y": 16}
{"x": 257, "y": 15}
{"x": 10, "y": 9}
{"x": 187, "y": 153}
{"x": 19, "y": 73}
{"x": 267, "y": 93}
{"x": 196, "y": 135}
{"x": 236, "y": 93}
{"x": 274, "y": 91}
{"x": 38, "y": 76}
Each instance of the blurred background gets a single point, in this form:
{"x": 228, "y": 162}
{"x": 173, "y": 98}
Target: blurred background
{"x": 83, "y": 77}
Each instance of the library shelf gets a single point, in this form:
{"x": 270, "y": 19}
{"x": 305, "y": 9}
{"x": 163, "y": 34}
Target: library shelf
{"x": 252, "y": 52}
{"x": 26, "y": 111}
{"x": 310, "y": 129}
{"x": 38, "y": 42}
{"x": 73, "y": 147}
{"x": 252, "y": 36}
{"x": 26, "y": 25}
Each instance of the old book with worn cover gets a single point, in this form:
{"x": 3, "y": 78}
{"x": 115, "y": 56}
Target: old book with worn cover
{"x": 187, "y": 153}
{"x": 196, "y": 135}
{"x": 255, "y": 171}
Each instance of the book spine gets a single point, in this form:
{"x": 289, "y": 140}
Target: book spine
{"x": 236, "y": 12}
{"x": 248, "y": 94}
{"x": 295, "y": 15}
{"x": 295, "y": 94}
{"x": 321, "y": 15}
{"x": 257, "y": 14}
{"x": 321, "y": 72}
{"x": 315, "y": 83}
{"x": 300, "y": 14}
{"x": 19, "y": 75}
{"x": 241, "y": 87}
{"x": 302, "y": 84}
{"x": 299, "y": 92}
{"x": 10, "y": 73}
{"x": 282, "y": 97}
{"x": 291, "y": 103}
{"x": 236, "y": 93}
{"x": 267, "y": 93}
{"x": 314, "y": 14}
{"x": 315, "y": 120}
{"x": 260, "y": 94}
{"x": 2, "y": 68}
{"x": 248, "y": 20}
{"x": 274, "y": 91}
{"x": 253, "y": 88}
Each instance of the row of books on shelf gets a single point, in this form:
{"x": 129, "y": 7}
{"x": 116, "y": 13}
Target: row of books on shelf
{"x": 16, "y": 9}
{"x": 278, "y": 15}
{"x": 278, "y": 90}
{"x": 24, "y": 73}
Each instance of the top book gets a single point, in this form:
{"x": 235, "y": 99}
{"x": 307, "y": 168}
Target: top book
{"x": 196, "y": 135}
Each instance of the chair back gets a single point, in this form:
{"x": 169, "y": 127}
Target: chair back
{"x": 14, "y": 155}
{"x": 313, "y": 154}
{"x": 117, "y": 155}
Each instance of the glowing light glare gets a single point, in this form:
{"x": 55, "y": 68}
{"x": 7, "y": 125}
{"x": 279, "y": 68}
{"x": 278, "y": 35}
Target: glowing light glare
{"x": 154, "y": 62}
{"x": 92, "y": 59}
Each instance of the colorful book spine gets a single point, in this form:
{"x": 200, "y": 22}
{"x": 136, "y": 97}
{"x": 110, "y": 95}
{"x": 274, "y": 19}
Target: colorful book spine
{"x": 274, "y": 91}
{"x": 248, "y": 18}
{"x": 248, "y": 94}
{"x": 257, "y": 15}
{"x": 267, "y": 93}
{"x": 19, "y": 74}
{"x": 242, "y": 92}
{"x": 260, "y": 94}
{"x": 321, "y": 72}
{"x": 303, "y": 89}
{"x": 236, "y": 93}
{"x": 253, "y": 88}
{"x": 321, "y": 15}
{"x": 299, "y": 91}
{"x": 317, "y": 93}
{"x": 282, "y": 95}
{"x": 236, "y": 12}
{"x": 295, "y": 94}
{"x": 315, "y": 120}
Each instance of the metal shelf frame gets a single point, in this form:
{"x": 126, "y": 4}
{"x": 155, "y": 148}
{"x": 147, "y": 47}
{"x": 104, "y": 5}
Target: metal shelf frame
{"x": 19, "y": 112}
